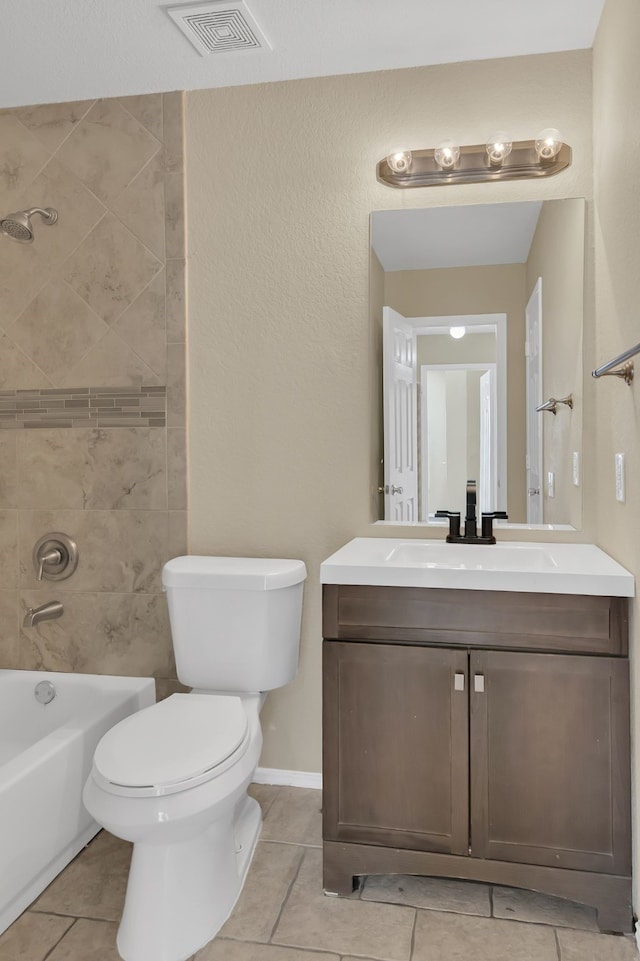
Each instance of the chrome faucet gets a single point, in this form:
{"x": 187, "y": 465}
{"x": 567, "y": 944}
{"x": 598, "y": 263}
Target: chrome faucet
{"x": 46, "y": 612}
{"x": 471, "y": 535}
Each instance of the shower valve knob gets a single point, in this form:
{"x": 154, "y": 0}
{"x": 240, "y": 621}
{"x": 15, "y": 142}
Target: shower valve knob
{"x": 55, "y": 557}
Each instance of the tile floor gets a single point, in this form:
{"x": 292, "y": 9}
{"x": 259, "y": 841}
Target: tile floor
{"x": 282, "y": 914}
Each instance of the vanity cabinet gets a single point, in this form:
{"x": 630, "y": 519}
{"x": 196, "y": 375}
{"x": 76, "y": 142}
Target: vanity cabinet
{"x": 480, "y": 735}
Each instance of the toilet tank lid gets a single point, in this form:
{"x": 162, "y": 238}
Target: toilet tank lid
{"x": 232, "y": 573}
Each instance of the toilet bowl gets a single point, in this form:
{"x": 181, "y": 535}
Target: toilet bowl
{"x": 173, "y": 778}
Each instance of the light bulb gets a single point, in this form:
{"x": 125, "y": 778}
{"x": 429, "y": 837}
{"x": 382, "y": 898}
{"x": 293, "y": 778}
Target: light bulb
{"x": 399, "y": 161}
{"x": 548, "y": 143}
{"x": 498, "y": 147}
{"x": 457, "y": 332}
{"x": 446, "y": 154}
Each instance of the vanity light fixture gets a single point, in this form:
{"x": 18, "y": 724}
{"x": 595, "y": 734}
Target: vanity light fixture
{"x": 497, "y": 159}
{"x": 457, "y": 332}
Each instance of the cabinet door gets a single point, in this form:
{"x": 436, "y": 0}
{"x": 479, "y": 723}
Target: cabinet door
{"x": 396, "y": 746}
{"x": 549, "y": 749}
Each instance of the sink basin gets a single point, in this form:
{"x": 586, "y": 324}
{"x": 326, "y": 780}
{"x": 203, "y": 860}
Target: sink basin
{"x": 505, "y": 566}
{"x": 472, "y": 557}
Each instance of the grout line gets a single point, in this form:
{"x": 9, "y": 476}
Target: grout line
{"x": 491, "y": 914}
{"x": 558, "y": 950}
{"x": 54, "y": 946}
{"x": 412, "y": 943}
{"x": 286, "y": 898}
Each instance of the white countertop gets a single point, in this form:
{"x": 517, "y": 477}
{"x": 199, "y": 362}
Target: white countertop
{"x": 532, "y": 567}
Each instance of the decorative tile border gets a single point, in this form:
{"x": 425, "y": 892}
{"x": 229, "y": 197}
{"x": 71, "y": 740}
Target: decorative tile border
{"x": 83, "y": 407}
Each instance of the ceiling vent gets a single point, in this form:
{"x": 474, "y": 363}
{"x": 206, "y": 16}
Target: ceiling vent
{"x": 219, "y": 26}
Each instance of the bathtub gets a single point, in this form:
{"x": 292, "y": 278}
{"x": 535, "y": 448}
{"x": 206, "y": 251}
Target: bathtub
{"x": 46, "y": 752}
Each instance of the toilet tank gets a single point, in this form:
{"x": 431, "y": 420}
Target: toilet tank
{"x": 235, "y": 621}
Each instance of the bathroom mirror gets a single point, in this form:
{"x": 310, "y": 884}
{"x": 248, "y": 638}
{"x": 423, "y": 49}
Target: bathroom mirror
{"x": 477, "y": 312}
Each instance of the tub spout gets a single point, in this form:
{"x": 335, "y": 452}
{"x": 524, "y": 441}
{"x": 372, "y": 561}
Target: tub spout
{"x": 46, "y": 612}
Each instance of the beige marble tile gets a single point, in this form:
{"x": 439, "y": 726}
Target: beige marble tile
{"x": 88, "y": 941}
{"x": 111, "y": 268}
{"x": 52, "y": 123}
{"x": 176, "y": 385}
{"x": 17, "y": 372}
{"x": 147, "y": 109}
{"x": 178, "y": 533}
{"x": 173, "y": 131}
{"x": 142, "y": 327}
{"x": 8, "y": 549}
{"x": 272, "y": 871}
{"x": 520, "y": 905}
{"x": 22, "y": 156}
{"x": 176, "y": 306}
{"x": 107, "y": 149}
{"x": 57, "y": 329}
{"x": 94, "y": 884}
{"x": 92, "y": 469}
{"x": 311, "y": 920}
{"x": 265, "y": 794}
{"x": 437, "y": 894}
{"x": 456, "y": 937}
{"x": 581, "y": 946}
{"x": 8, "y": 469}
{"x": 140, "y": 206}
{"x": 223, "y": 950}
{"x": 123, "y": 634}
{"x": 32, "y": 937}
{"x": 120, "y": 551}
{"x": 10, "y": 648}
{"x": 111, "y": 363}
{"x": 295, "y": 816}
{"x": 174, "y": 214}
{"x": 177, "y": 468}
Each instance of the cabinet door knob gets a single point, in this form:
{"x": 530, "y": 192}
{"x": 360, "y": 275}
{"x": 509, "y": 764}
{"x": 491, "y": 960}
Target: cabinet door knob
{"x": 458, "y": 681}
{"x": 478, "y": 683}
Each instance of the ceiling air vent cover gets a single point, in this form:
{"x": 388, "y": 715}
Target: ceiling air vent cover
{"x": 218, "y": 26}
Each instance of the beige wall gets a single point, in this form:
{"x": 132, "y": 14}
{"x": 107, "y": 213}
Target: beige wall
{"x": 557, "y": 255}
{"x": 617, "y": 246}
{"x": 281, "y": 181}
{"x": 97, "y": 301}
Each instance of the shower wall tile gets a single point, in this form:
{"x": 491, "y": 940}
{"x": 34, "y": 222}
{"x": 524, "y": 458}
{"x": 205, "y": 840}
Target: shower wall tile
{"x": 123, "y": 634}
{"x": 93, "y": 469}
{"x": 107, "y": 149}
{"x": 90, "y": 305}
{"x": 119, "y": 551}
{"x": 8, "y": 469}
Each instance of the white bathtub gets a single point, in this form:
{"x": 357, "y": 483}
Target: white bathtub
{"x": 46, "y": 752}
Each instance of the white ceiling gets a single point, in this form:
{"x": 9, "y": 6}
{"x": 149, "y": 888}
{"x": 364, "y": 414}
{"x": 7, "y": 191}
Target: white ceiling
{"x": 470, "y": 236}
{"x": 62, "y": 50}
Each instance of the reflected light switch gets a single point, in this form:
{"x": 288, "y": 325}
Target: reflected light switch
{"x": 575, "y": 476}
{"x": 620, "y": 479}
{"x": 551, "y": 484}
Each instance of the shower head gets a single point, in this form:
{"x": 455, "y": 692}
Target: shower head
{"x": 18, "y": 226}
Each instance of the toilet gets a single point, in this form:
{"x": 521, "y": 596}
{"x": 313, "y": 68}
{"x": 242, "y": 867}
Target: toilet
{"x": 173, "y": 778}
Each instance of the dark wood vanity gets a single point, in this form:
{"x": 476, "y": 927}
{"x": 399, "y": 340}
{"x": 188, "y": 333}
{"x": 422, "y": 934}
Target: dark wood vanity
{"x": 480, "y": 735}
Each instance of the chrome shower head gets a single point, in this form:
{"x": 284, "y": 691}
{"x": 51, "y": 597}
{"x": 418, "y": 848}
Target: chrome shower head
{"x": 18, "y": 226}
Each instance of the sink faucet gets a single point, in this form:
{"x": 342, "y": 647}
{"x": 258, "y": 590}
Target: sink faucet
{"x": 46, "y": 612}
{"x": 471, "y": 535}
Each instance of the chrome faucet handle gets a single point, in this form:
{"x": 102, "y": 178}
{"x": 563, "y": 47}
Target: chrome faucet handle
{"x": 48, "y": 558}
{"x": 55, "y": 557}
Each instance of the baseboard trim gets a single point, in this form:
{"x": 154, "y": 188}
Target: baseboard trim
{"x": 274, "y": 775}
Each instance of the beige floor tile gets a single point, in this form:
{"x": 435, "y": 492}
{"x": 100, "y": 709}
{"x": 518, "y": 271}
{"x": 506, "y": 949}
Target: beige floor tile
{"x": 88, "y": 941}
{"x": 94, "y": 884}
{"x": 32, "y": 936}
{"x": 264, "y": 794}
{"x": 296, "y": 816}
{"x": 583, "y": 946}
{"x": 311, "y": 920}
{"x": 455, "y": 937}
{"x": 517, "y": 905}
{"x": 438, "y": 894}
{"x": 220, "y": 950}
{"x": 273, "y": 868}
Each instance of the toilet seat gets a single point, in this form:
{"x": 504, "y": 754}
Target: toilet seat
{"x": 174, "y": 745}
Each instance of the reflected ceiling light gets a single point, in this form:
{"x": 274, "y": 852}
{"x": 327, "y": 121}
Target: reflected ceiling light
{"x": 548, "y": 143}
{"x": 399, "y": 161}
{"x": 499, "y": 147}
{"x": 457, "y": 332}
{"x": 446, "y": 154}
{"x": 497, "y": 159}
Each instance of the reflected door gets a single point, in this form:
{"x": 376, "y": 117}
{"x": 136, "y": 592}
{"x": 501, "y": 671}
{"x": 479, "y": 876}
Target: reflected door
{"x": 399, "y": 374}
